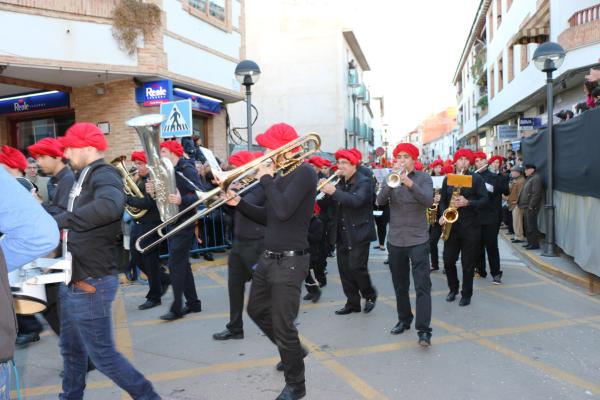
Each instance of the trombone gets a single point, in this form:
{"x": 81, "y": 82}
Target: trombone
{"x": 334, "y": 179}
{"x": 285, "y": 162}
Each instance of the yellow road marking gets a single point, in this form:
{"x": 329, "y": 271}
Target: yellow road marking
{"x": 529, "y": 304}
{"x": 188, "y": 318}
{"x": 389, "y": 347}
{"x": 526, "y": 328}
{"x": 216, "y": 278}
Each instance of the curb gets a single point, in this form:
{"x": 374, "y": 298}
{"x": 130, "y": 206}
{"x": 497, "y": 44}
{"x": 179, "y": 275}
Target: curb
{"x": 592, "y": 283}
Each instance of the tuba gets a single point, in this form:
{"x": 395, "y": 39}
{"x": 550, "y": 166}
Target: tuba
{"x": 161, "y": 169}
{"x": 129, "y": 186}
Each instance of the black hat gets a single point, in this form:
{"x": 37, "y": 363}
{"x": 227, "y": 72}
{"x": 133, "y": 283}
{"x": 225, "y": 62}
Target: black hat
{"x": 527, "y": 166}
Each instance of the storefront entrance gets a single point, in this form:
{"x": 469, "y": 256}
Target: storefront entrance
{"x": 25, "y": 132}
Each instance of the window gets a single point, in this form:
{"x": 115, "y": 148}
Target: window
{"x": 492, "y": 79}
{"x": 27, "y": 132}
{"x": 500, "y": 74}
{"x": 498, "y": 13}
{"x": 199, "y": 125}
{"x": 508, "y": 4}
{"x": 491, "y": 24}
{"x": 511, "y": 63}
{"x": 213, "y": 11}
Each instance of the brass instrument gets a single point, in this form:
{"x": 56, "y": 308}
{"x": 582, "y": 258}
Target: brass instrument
{"x": 431, "y": 212}
{"x": 129, "y": 187}
{"x": 450, "y": 215}
{"x": 393, "y": 179}
{"x": 334, "y": 179}
{"x": 162, "y": 172}
{"x": 244, "y": 177}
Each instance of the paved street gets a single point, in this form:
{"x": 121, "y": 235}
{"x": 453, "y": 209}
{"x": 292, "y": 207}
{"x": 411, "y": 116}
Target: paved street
{"x": 531, "y": 338}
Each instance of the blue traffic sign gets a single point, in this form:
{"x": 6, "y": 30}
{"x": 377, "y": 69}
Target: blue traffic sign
{"x": 178, "y": 122}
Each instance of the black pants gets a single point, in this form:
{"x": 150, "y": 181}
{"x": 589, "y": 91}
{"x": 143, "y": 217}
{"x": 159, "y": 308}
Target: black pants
{"x": 273, "y": 305}
{"x": 182, "y": 279}
{"x": 381, "y": 223}
{"x": 354, "y": 273}
{"x": 400, "y": 260}
{"x": 463, "y": 240}
{"x": 29, "y": 324}
{"x": 531, "y": 230}
{"x": 244, "y": 255}
{"x": 435, "y": 232}
{"x": 508, "y": 219}
{"x": 489, "y": 244}
{"x": 149, "y": 262}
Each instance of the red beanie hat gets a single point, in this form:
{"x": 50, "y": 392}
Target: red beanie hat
{"x": 447, "y": 169}
{"x": 13, "y": 158}
{"x": 276, "y": 136}
{"x": 84, "y": 134}
{"x": 408, "y": 148}
{"x": 357, "y": 154}
{"x": 326, "y": 162}
{"x": 436, "y": 163}
{"x": 479, "y": 154}
{"x": 348, "y": 155}
{"x": 46, "y": 147}
{"x": 418, "y": 166}
{"x": 139, "y": 156}
{"x": 464, "y": 153}
{"x": 494, "y": 158}
{"x": 173, "y": 146}
{"x": 257, "y": 154}
{"x": 241, "y": 158}
{"x": 316, "y": 161}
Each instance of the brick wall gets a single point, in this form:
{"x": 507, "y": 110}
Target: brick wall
{"x": 95, "y": 8}
{"x": 580, "y": 35}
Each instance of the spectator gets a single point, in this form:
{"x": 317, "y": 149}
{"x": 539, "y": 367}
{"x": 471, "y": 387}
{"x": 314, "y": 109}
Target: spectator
{"x": 40, "y": 182}
{"x": 588, "y": 88}
{"x": 530, "y": 201}
{"x": 516, "y": 185}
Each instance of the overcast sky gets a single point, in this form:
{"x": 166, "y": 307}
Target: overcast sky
{"x": 413, "y": 48}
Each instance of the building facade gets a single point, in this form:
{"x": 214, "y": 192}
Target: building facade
{"x": 73, "y": 67}
{"x": 312, "y": 73}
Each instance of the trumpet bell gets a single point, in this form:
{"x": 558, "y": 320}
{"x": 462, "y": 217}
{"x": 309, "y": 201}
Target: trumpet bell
{"x": 393, "y": 180}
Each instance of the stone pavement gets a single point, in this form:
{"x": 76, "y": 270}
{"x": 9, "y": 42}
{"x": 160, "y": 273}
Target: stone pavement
{"x": 533, "y": 337}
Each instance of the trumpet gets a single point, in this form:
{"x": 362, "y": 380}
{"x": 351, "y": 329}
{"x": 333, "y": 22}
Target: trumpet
{"x": 334, "y": 179}
{"x": 393, "y": 179}
{"x": 286, "y": 158}
{"x": 129, "y": 187}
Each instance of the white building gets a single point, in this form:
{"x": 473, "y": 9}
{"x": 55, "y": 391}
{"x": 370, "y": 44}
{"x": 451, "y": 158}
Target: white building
{"x": 309, "y": 63}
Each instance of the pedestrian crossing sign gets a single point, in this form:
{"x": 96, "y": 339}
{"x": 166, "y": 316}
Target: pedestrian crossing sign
{"x": 178, "y": 121}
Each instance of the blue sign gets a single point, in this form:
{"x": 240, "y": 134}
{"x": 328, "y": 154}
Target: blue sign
{"x": 34, "y": 102}
{"x": 507, "y": 132}
{"x": 530, "y": 123}
{"x": 178, "y": 122}
{"x": 199, "y": 102}
{"x": 154, "y": 93}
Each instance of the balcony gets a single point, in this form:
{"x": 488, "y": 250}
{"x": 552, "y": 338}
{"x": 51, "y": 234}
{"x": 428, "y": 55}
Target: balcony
{"x": 584, "y": 29}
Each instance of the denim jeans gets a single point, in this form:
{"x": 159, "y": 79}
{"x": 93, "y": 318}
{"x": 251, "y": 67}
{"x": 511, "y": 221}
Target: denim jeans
{"x": 5, "y": 381}
{"x": 86, "y": 331}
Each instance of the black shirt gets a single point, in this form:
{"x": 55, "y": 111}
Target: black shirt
{"x": 187, "y": 181}
{"x": 244, "y": 227}
{"x": 287, "y": 210}
{"x": 491, "y": 212}
{"x": 152, "y": 216}
{"x": 61, "y": 184}
{"x": 95, "y": 222}
{"x": 476, "y": 195}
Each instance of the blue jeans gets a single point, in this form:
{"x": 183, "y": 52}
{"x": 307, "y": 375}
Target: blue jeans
{"x": 5, "y": 381}
{"x": 86, "y": 331}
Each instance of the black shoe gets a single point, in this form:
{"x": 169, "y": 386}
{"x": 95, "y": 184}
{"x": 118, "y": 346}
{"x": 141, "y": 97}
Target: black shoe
{"x": 464, "y": 301}
{"x": 316, "y": 296}
{"x": 497, "y": 280}
{"x": 193, "y": 308}
{"x": 399, "y": 328}
{"x": 387, "y": 262}
{"x": 149, "y": 304}
{"x": 308, "y": 296}
{"x": 279, "y": 366}
{"x": 195, "y": 256}
{"x": 526, "y": 245}
{"x": 533, "y": 248}
{"x": 434, "y": 268}
{"x": 347, "y": 310}
{"x": 209, "y": 257}
{"x": 171, "y": 316}
{"x": 451, "y": 297}
{"x": 480, "y": 274}
{"x": 227, "y": 334}
{"x": 292, "y": 392}
{"x": 24, "y": 339}
{"x": 424, "y": 339}
{"x": 517, "y": 241}
{"x": 369, "y": 305}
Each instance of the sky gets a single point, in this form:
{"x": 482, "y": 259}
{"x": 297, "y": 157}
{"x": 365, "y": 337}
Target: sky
{"x": 413, "y": 49}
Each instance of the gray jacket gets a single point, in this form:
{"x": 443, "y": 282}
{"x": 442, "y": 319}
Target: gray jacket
{"x": 408, "y": 226}
{"x": 8, "y": 320}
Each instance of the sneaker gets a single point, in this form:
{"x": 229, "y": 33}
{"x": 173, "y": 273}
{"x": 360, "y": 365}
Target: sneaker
{"x": 497, "y": 280}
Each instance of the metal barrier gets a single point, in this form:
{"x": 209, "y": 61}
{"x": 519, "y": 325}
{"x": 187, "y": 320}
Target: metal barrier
{"x": 214, "y": 232}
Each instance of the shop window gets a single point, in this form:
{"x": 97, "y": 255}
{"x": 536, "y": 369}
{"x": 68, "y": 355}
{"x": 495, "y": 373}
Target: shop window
{"x": 199, "y": 127}
{"x": 27, "y": 132}
{"x": 214, "y": 11}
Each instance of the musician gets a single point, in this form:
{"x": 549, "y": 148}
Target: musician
{"x": 85, "y": 304}
{"x": 180, "y": 244}
{"x": 248, "y": 245}
{"x": 15, "y": 163}
{"x": 435, "y": 231}
{"x": 465, "y": 234}
{"x": 277, "y": 281}
{"x": 158, "y": 280}
{"x": 316, "y": 278}
{"x": 490, "y": 215}
{"x": 408, "y": 240}
{"x": 355, "y": 230}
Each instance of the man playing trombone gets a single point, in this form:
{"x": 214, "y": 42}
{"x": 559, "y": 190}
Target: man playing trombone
{"x": 408, "y": 240}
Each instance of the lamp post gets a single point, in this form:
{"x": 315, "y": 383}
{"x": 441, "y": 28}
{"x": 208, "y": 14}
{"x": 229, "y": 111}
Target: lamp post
{"x": 548, "y": 57}
{"x": 247, "y": 73}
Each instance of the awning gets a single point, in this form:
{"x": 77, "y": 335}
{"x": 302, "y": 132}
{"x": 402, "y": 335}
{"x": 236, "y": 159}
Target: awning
{"x": 535, "y": 29}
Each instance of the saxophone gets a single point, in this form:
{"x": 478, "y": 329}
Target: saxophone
{"x": 431, "y": 212}
{"x": 450, "y": 215}
{"x": 129, "y": 187}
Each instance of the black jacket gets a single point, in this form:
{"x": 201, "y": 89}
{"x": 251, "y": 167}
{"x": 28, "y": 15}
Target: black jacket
{"x": 95, "y": 222}
{"x": 491, "y": 212}
{"x": 353, "y": 208}
{"x": 477, "y": 197}
{"x": 62, "y": 184}
{"x": 152, "y": 216}
{"x": 188, "y": 182}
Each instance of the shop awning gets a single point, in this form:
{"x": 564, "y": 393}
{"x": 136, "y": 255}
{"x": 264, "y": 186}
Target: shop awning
{"x": 536, "y": 28}
{"x": 200, "y": 102}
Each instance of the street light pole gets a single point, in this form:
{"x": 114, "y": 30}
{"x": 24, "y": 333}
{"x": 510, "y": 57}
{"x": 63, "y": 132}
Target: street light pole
{"x": 354, "y": 118}
{"x": 249, "y": 115}
{"x": 247, "y": 73}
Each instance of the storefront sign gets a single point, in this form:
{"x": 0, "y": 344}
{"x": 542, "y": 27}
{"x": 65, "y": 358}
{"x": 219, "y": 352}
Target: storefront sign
{"x": 530, "y": 123}
{"x": 34, "y": 102}
{"x": 504, "y": 132}
{"x": 154, "y": 93}
{"x": 200, "y": 102}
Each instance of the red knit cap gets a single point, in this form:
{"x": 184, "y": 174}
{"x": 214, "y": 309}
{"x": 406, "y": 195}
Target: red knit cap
{"x": 348, "y": 155}
{"x": 173, "y": 146}
{"x": 46, "y": 147}
{"x": 447, "y": 169}
{"x": 464, "y": 153}
{"x": 479, "y": 154}
{"x": 418, "y": 166}
{"x": 276, "y": 136}
{"x": 316, "y": 161}
{"x": 436, "y": 163}
{"x": 357, "y": 154}
{"x": 84, "y": 134}
{"x": 494, "y": 158}
{"x": 241, "y": 158}
{"x": 408, "y": 148}
{"x": 13, "y": 158}
{"x": 139, "y": 156}
{"x": 326, "y": 162}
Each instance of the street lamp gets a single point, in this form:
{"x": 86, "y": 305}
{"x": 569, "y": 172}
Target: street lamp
{"x": 548, "y": 57}
{"x": 247, "y": 73}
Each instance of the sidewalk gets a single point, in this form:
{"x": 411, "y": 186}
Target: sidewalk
{"x": 561, "y": 266}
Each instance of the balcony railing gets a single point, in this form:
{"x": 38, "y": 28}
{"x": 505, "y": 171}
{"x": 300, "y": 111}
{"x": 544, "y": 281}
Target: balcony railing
{"x": 585, "y": 16}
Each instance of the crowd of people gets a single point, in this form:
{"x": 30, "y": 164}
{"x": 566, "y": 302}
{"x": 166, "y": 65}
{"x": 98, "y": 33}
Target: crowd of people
{"x": 295, "y": 213}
